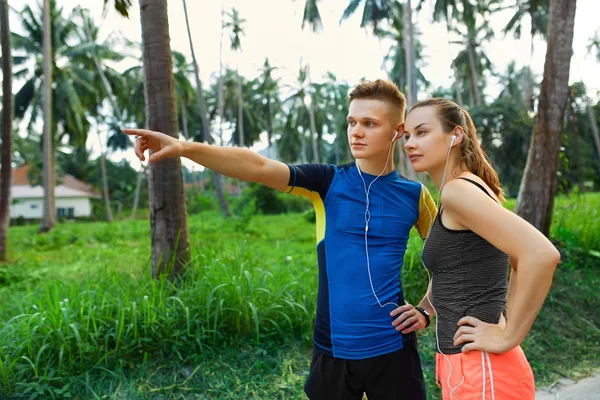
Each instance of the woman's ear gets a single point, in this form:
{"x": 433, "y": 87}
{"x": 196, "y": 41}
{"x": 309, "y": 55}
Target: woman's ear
{"x": 457, "y": 135}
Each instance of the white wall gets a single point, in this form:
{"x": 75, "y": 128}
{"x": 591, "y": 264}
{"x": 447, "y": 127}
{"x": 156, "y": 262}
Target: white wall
{"x": 26, "y": 208}
{"x": 33, "y": 208}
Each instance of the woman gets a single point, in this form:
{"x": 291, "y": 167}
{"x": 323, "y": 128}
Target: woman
{"x": 470, "y": 246}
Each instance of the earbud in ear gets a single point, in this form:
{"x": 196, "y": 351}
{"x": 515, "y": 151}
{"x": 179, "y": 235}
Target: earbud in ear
{"x": 395, "y": 135}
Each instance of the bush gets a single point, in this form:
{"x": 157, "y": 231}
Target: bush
{"x": 197, "y": 201}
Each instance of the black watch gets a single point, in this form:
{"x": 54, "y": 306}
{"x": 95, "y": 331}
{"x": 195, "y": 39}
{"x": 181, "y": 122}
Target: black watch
{"x": 425, "y": 314}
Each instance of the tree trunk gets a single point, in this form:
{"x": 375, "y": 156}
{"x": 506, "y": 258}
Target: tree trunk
{"x": 138, "y": 186}
{"x": 473, "y": 68}
{"x": 221, "y": 100}
{"x": 471, "y": 95}
{"x": 117, "y": 111}
{"x": 269, "y": 121}
{"x": 204, "y": 116}
{"x": 105, "y": 83}
{"x": 303, "y": 156}
{"x": 411, "y": 97}
{"x": 201, "y": 101}
{"x": 536, "y": 194}
{"x": 457, "y": 86}
{"x": 107, "y": 207}
{"x": 7, "y": 116}
{"x": 594, "y": 125}
{"x": 529, "y": 80}
{"x": 168, "y": 217}
{"x": 186, "y": 133}
{"x": 401, "y": 77}
{"x": 49, "y": 213}
{"x": 573, "y": 139}
{"x": 313, "y": 125}
{"x": 240, "y": 119}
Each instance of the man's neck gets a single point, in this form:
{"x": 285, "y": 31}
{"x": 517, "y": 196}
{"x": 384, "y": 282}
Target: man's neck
{"x": 375, "y": 167}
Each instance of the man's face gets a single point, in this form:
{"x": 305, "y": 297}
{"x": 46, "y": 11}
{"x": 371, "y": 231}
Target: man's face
{"x": 371, "y": 128}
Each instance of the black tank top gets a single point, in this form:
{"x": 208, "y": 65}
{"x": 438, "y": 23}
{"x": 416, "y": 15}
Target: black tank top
{"x": 470, "y": 278}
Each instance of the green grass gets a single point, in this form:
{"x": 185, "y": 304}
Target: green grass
{"x": 81, "y": 317}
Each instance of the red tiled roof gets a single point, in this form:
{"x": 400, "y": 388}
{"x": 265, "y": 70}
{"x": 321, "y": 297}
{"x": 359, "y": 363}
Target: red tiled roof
{"x": 19, "y": 177}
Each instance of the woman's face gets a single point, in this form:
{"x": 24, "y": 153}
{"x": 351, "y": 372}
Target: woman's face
{"x": 426, "y": 143}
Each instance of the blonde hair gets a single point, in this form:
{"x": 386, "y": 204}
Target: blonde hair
{"x": 383, "y": 90}
{"x": 451, "y": 115}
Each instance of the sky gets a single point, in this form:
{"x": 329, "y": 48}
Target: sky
{"x": 273, "y": 30}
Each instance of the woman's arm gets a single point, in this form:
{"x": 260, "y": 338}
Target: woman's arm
{"x": 533, "y": 255}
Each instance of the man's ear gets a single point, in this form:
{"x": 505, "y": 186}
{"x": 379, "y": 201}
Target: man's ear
{"x": 400, "y": 129}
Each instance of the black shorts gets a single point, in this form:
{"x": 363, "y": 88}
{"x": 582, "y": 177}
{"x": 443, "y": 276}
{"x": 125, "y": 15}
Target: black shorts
{"x": 393, "y": 376}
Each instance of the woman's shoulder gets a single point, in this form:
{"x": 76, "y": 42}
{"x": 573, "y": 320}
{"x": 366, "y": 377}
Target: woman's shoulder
{"x": 466, "y": 192}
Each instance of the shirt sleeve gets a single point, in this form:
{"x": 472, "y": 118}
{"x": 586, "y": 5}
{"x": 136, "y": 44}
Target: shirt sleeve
{"x": 310, "y": 179}
{"x": 427, "y": 212}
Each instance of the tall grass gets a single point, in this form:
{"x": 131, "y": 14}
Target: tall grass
{"x": 79, "y": 301}
{"x": 229, "y": 293}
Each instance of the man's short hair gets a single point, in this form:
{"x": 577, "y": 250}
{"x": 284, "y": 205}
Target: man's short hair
{"x": 383, "y": 90}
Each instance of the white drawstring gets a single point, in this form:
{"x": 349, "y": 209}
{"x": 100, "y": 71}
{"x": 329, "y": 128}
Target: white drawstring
{"x": 486, "y": 356}
{"x": 483, "y": 374}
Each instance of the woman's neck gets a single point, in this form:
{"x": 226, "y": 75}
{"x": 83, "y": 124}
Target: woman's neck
{"x": 452, "y": 172}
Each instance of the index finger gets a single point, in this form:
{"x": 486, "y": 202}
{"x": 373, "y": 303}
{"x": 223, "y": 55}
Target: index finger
{"x": 469, "y": 321}
{"x": 139, "y": 132}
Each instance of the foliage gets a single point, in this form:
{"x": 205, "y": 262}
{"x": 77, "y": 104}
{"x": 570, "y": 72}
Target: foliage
{"x": 246, "y": 304}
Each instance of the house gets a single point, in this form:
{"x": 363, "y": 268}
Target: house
{"x": 72, "y": 197}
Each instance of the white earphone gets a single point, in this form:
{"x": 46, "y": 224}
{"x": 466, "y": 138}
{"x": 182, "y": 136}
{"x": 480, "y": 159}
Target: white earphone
{"x": 395, "y": 135}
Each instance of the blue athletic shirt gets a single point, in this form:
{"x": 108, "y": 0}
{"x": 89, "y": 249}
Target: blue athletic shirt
{"x": 349, "y": 322}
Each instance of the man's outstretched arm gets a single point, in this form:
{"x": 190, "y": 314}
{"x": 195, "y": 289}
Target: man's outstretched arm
{"x": 234, "y": 162}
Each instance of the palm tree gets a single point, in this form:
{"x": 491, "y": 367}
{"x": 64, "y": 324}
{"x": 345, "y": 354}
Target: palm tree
{"x": 538, "y": 11}
{"x": 235, "y": 24}
{"x": 49, "y": 213}
{"x": 68, "y": 95}
{"x": 512, "y": 82}
{"x": 252, "y": 121}
{"x": 269, "y": 91}
{"x": 183, "y": 89}
{"x": 98, "y": 53}
{"x": 335, "y": 106}
{"x": 594, "y": 44}
{"x": 471, "y": 62}
{"x": 374, "y": 13}
{"x": 293, "y": 135}
{"x": 312, "y": 17}
{"x": 536, "y": 194}
{"x": 465, "y": 12}
{"x": 7, "y": 129}
{"x": 168, "y": 219}
{"x": 206, "y": 132}
{"x": 398, "y": 15}
{"x": 122, "y": 6}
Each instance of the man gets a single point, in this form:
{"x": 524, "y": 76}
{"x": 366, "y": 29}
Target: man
{"x": 364, "y": 338}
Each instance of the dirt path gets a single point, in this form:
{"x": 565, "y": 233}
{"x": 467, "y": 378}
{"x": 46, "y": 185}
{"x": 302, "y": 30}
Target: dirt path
{"x": 566, "y": 389}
